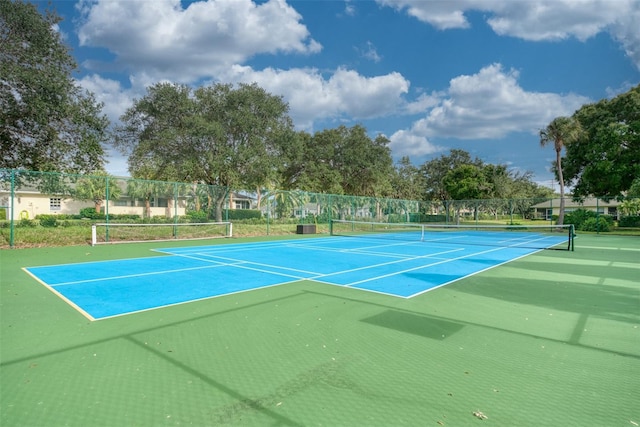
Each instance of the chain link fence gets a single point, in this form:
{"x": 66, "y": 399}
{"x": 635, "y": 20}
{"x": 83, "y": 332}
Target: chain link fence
{"x": 46, "y": 208}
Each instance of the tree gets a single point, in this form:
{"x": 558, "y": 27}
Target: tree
{"x": 365, "y": 164}
{"x": 217, "y": 135}
{"x": 48, "y": 122}
{"x": 435, "y": 170}
{"x": 605, "y": 160}
{"x": 346, "y": 161}
{"x": 562, "y": 131}
{"x": 320, "y": 164}
{"x": 466, "y": 182}
{"x": 97, "y": 188}
{"x": 407, "y": 181}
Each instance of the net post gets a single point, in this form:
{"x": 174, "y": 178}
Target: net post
{"x": 230, "y": 229}
{"x": 330, "y": 227}
{"x": 572, "y": 236}
{"x": 94, "y": 235}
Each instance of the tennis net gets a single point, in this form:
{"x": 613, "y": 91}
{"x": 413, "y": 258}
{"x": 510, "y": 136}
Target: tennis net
{"x": 525, "y": 236}
{"x": 135, "y": 233}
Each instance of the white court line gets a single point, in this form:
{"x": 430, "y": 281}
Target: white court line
{"x": 387, "y": 263}
{"x": 246, "y": 264}
{"x": 426, "y": 266}
{"x": 261, "y": 264}
{"x": 151, "y": 273}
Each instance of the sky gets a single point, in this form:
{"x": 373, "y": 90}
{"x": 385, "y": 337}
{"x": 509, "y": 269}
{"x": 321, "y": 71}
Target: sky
{"x": 431, "y": 75}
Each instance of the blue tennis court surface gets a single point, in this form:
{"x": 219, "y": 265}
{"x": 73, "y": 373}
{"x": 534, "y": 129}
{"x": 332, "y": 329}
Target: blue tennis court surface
{"x": 397, "y": 268}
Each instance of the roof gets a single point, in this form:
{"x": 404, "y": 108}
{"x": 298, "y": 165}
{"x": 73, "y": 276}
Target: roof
{"x": 569, "y": 203}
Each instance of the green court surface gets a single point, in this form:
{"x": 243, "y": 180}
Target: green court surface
{"x": 551, "y": 339}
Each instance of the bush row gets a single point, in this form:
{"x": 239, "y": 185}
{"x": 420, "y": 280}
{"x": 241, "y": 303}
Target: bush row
{"x": 629, "y": 221}
{"x": 586, "y": 220}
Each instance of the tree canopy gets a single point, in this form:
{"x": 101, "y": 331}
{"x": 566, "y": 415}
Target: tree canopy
{"x": 217, "y": 135}
{"x": 604, "y": 161}
{"x": 48, "y": 122}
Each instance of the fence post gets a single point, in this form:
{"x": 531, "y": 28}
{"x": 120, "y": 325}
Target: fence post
{"x": 597, "y": 215}
{"x": 175, "y": 209}
{"x": 511, "y": 212}
{"x": 106, "y": 207}
{"x": 13, "y": 207}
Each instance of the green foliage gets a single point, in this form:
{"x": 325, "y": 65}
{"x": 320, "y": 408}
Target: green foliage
{"x": 216, "y": 135}
{"x": 629, "y": 221}
{"x": 596, "y": 224}
{"x": 26, "y": 223}
{"x": 48, "y": 121}
{"x": 604, "y": 160}
{"x": 240, "y": 214}
{"x": 631, "y": 206}
{"x": 48, "y": 220}
{"x": 97, "y": 188}
{"x": 197, "y": 216}
{"x": 91, "y": 213}
{"x": 435, "y": 170}
{"x": 3, "y": 214}
{"x": 578, "y": 217}
{"x": 587, "y": 220}
{"x": 465, "y": 182}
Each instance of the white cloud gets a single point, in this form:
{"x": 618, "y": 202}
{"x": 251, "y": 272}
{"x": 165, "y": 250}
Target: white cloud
{"x": 443, "y": 15}
{"x": 491, "y": 104}
{"x": 349, "y": 8}
{"x": 487, "y": 105}
{"x": 423, "y": 103}
{"x": 370, "y": 52}
{"x": 537, "y": 20}
{"x": 313, "y": 97}
{"x": 627, "y": 31}
{"x": 412, "y": 143}
{"x": 116, "y": 99}
{"x": 184, "y": 44}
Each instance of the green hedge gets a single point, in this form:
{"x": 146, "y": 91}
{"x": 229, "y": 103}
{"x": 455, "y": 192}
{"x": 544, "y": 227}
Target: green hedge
{"x": 240, "y": 214}
{"x": 629, "y": 221}
{"x": 587, "y": 220}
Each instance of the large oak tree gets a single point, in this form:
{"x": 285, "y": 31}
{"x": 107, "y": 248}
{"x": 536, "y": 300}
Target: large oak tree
{"x": 218, "y": 135}
{"x": 605, "y": 160}
{"x": 47, "y": 121}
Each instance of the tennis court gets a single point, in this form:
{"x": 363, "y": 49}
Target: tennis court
{"x": 549, "y": 339}
{"x": 396, "y": 263}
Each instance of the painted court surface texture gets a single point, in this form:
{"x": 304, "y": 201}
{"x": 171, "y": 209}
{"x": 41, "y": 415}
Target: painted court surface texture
{"x": 548, "y": 339}
{"x": 398, "y": 268}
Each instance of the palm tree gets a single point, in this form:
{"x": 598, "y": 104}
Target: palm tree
{"x": 99, "y": 187}
{"x": 562, "y": 131}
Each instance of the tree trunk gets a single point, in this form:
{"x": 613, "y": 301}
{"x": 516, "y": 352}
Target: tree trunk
{"x": 561, "y": 182}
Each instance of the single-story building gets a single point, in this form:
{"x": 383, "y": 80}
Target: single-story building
{"x": 29, "y": 203}
{"x": 546, "y": 210}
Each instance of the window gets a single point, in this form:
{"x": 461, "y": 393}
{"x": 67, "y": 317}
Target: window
{"x": 55, "y": 203}
{"x": 242, "y": 204}
{"x": 159, "y": 202}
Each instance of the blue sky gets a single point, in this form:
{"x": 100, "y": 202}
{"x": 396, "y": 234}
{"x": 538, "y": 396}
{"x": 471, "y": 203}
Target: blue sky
{"x": 479, "y": 75}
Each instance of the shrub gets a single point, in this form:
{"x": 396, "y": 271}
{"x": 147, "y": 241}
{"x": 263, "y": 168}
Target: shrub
{"x": 26, "y": 223}
{"x": 629, "y": 221}
{"x": 91, "y": 213}
{"x": 596, "y": 224}
{"x": 239, "y": 214}
{"x": 578, "y": 217}
{"x": 197, "y": 216}
{"x": 48, "y": 220}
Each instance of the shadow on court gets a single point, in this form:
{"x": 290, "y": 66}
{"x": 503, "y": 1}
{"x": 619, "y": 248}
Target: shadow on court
{"x": 420, "y": 325}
